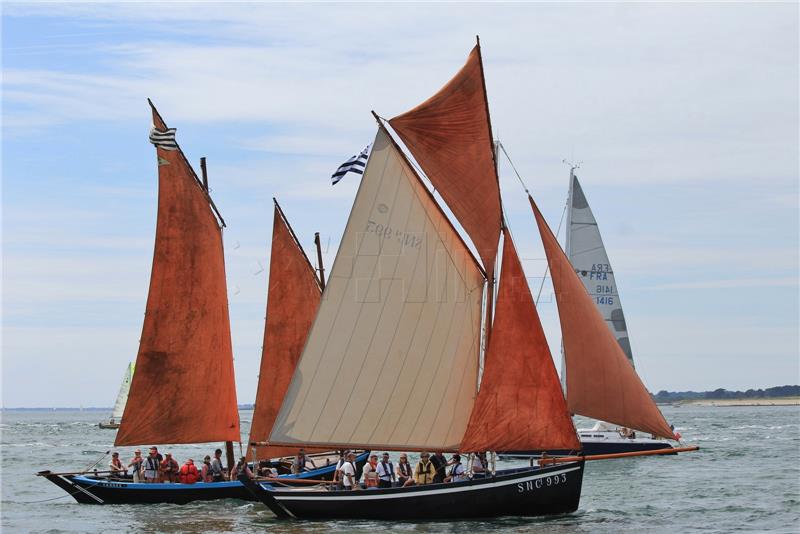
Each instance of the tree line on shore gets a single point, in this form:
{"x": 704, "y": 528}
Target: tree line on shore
{"x": 721, "y": 393}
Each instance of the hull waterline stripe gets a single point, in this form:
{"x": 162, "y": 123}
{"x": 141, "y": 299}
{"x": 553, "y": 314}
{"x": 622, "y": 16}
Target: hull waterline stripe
{"x": 475, "y": 487}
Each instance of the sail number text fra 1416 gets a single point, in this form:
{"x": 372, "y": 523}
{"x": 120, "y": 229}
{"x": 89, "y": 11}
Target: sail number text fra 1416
{"x": 407, "y": 239}
{"x": 531, "y": 485}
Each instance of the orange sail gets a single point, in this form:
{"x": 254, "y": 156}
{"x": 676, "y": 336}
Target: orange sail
{"x": 294, "y": 295}
{"x": 450, "y": 136}
{"x": 601, "y": 382}
{"x": 183, "y": 390}
{"x": 520, "y": 406}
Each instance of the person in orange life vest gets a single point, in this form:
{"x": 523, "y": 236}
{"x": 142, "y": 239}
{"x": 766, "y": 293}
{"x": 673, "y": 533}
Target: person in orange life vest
{"x": 188, "y": 473}
{"x": 116, "y": 466}
{"x": 169, "y": 469}
{"x": 371, "y": 472}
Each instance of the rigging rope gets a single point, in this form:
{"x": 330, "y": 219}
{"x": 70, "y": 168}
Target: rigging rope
{"x": 560, "y": 222}
{"x": 60, "y": 496}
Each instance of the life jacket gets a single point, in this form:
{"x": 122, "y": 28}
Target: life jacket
{"x": 344, "y": 476}
{"x": 152, "y": 463}
{"x": 388, "y": 471}
{"x": 170, "y": 466}
{"x": 455, "y": 472}
{"x": 188, "y": 474}
{"x": 428, "y": 476}
{"x": 405, "y": 469}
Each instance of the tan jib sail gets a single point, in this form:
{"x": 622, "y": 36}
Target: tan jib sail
{"x": 450, "y": 136}
{"x": 601, "y": 382}
{"x": 520, "y": 406}
{"x": 183, "y": 390}
{"x": 392, "y": 358}
{"x": 292, "y": 303}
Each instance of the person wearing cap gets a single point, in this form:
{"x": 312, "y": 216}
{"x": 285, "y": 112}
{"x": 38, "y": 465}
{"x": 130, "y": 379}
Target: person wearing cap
{"x": 188, "y": 473}
{"x": 385, "y": 470}
{"x": 404, "y": 470}
{"x": 136, "y": 466}
{"x": 115, "y": 465}
{"x": 457, "y": 471}
{"x": 152, "y": 466}
{"x": 169, "y": 469}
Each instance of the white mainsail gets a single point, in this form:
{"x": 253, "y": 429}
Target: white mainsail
{"x": 586, "y": 252}
{"x": 122, "y": 397}
{"x": 392, "y": 357}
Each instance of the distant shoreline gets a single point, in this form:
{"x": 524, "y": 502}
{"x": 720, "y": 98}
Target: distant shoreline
{"x": 775, "y": 401}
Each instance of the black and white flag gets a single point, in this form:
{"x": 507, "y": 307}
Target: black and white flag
{"x": 355, "y": 164}
{"x": 164, "y": 138}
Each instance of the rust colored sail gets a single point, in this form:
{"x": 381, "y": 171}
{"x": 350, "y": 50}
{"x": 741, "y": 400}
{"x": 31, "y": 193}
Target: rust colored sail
{"x": 450, "y": 136}
{"x": 601, "y": 382}
{"x": 183, "y": 390}
{"x": 520, "y": 405}
{"x": 294, "y": 295}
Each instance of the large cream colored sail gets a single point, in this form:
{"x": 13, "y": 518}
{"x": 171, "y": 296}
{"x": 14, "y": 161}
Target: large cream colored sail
{"x": 391, "y": 360}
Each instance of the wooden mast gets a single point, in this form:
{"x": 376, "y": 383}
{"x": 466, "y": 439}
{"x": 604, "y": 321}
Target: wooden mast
{"x": 228, "y": 444}
{"x": 319, "y": 261}
{"x": 490, "y": 289}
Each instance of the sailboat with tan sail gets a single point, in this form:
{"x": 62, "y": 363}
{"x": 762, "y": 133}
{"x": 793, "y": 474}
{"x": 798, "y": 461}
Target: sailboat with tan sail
{"x": 392, "y": 358}
{"x": 399, "y": 331}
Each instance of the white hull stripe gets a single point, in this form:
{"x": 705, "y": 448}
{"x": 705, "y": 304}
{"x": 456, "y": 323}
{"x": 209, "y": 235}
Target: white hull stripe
{"x": 90, "y": 494}
{"x": 365, "y": 495}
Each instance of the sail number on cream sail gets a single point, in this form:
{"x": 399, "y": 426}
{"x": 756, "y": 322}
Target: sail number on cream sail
{"x": 407, "y": 239}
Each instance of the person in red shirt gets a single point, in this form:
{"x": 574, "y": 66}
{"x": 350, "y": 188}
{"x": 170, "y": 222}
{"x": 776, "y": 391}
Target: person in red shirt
{"x": 169, "y": 469}
{"x": 188, "y": 473}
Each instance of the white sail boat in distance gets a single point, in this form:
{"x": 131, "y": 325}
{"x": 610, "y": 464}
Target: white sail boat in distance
{"x": 587, "y": 253}
{"x": 122, "y": 399}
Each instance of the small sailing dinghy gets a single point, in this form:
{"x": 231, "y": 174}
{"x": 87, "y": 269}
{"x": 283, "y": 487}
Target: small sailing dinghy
{"x": 122, "y": 399}
{"x": 183, "y": 390}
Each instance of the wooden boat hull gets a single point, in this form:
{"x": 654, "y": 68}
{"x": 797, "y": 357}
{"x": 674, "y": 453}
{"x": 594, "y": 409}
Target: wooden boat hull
{"x": 514, "y": 492}
{"x": 100, "y": 490}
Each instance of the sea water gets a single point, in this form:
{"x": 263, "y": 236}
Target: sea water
{"x": 746, "y": 477}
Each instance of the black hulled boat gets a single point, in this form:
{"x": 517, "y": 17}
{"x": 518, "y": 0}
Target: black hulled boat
{"x": 512, "y": 492}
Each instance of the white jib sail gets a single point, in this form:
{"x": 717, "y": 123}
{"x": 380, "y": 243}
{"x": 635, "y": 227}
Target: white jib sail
{"x": 122, "y": 397}
{"x": 588, "y": 256}
{"x": 392, "y": 357}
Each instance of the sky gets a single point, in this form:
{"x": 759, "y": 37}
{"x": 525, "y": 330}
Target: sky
{"x": 684, "y": 115}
